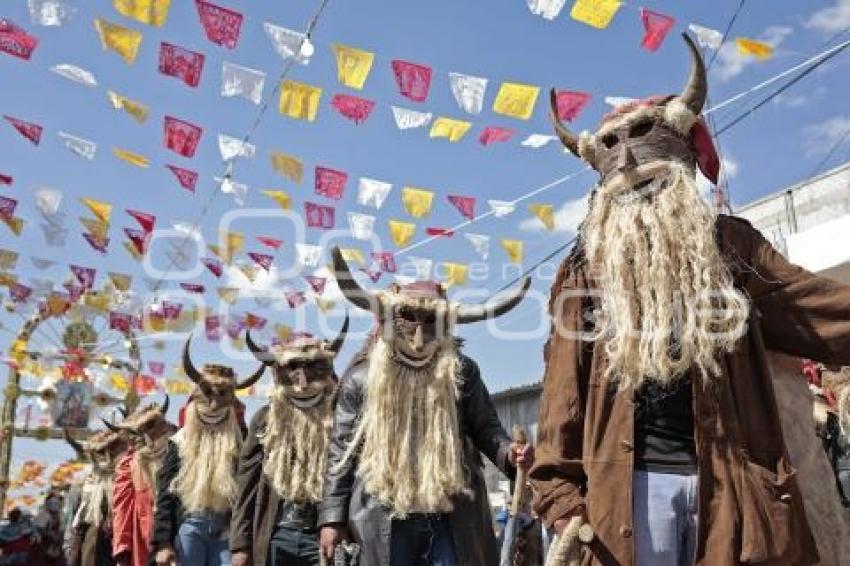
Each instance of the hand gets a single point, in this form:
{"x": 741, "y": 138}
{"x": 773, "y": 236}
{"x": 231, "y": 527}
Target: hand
{"x": 521, "y": 455}
{"x": 329, "y": 537}
{"x": 240, "y": 558}
{"x": 561, "y": 524}
{"x": 165, "y": 556}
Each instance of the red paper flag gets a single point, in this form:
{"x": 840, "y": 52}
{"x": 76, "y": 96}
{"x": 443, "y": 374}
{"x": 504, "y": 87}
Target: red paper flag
{"x": 185, "y": 177}
{"x": 440, "y": 232}
{"x": 263, "y": 260}
{"x": 330, "y": 182}
{"x": 5, "y": 179}
{"x": 138, "y": 238}
{"x": 212, "y": 328}
{"x": 193, "y": 287}
{"x": 570, "y": 104}
{"x": 145, "y": 220}
{"x": 354, "y": 108}
{"x": 657, "y": 26}
{"x": 255, "y": 321}
{"x": 27, "y": 129}
{"x": 14, "y": 40}
{"x": 119, "y": 321}
{"x": 316, "y": 283}
{"x": 385, "y": 260}
{"x": 156, "y": 368}
{"x": 273, "y": 243}
{"x": 464, "y": 205}
{"x": 413, "y": 80}
{"x": 144, "y": 384}
{"x": 99, "y": 244}
{"x": 85, "y": 275}
{"x": 180, "y": 63}
{"x": 374, "y": 274}
{"x": 295, "y": 298}
{"x": 20, "y": 293}
{"x": 495, "y": 134}
{"x": 220, "y": 24}
{"x": 213, "y": 265}
{"x": 319, "y": 216}
{"x": 7, "y": 207}
{"x": 182, "y": 137}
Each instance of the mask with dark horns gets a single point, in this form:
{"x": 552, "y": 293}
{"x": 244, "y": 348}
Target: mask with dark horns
{"x": 102, "y": 449}
{"x": 146, "y": 426}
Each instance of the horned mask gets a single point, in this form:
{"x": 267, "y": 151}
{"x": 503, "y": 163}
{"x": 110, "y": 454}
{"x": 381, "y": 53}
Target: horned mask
{"x": 147, "y": 426}
{"x": 102, "y": 449}
{"x": 303, "y": 367}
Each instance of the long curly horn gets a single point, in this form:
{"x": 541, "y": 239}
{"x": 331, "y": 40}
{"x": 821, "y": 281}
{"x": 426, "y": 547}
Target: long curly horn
{"x": 494, "y": 307}
{"x": 569, "y": 139}
{"x": 110, "y": 426}
{"x": 349, "y": 287}
{"x": 164, "y": 407}
{"x": 78, "y": 448}
{"x": 336, "y": 345}
{"x": 123, "y": 410}
{"x": 262, "y": 354}
{"x": 696, "y": 89}
{"x": 188, "y": 367}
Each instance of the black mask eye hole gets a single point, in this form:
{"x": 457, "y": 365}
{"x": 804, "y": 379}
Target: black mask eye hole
{"x": 407, "y": 313}
{"x": 641, "y": 128}
{"x": 609, "y": 140}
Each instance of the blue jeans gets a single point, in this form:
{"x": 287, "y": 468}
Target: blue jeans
{"x": 293, "y": 547}
{"x": 421, "y": 541}
{"x": 665, "y": 519}
{"x": 202, "y": 540}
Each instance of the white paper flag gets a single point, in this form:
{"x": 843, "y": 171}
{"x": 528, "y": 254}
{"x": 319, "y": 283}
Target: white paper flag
{"x": 371, "y": 192}
{"x": 229, "y": 186}
{"x": 47, "y": 201}
{"x": 501, "y": 208}
{"x": 362, "y": 226}
{"x": 468, "y": 91}
{"x": 481, "y": 243}
{"x": 50, "y": 12}
{"x": 79, "y": 146}
{"x": 307, "y": 255}
{"x": 74, "y": 73}
{"x": 232, "y": 148}
{"x": 187, "y": 228}
{"x": 419, "y": 268}
{"x": 54, "y": 235}
{"x": 406, "y": 119}
{"x": 707, "y": 37}
{"x": 548, "y": 9}
{"x": 41, "y": 264}
{"x": 616, "y": 101}
{"x": 537, "y": 140}
{"x": 288, "y": 43}
{"x": 242, "y": 81}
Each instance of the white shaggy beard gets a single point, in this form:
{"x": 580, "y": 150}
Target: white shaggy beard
{"x": 96, "y": 489}
{"x": 294, "y": 443}
{"x": 411, "y": 455}
{"x": 206, "y": 480}
{"x": 663, "y": 281}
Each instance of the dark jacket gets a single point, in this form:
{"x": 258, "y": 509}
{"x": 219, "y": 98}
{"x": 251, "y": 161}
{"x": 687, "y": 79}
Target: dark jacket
{"x": 369, "y": 522}
{"x": 750, "y": 507}
{"x": 258, "y": 506}
{"x": 169, "y": 512}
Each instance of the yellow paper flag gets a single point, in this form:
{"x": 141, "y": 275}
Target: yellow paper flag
{"x": 417, "y": 202}
{"x": 402, "y": 232}
{"x": 595, "y": 13}
{"x": 15, "y": 224}
{"x": 454, "y": 130}
{"x": 7, "y": 279}
{"x": 249, "y": 271}
{"x": 98, "y": 300}
{"x": 119, "y": 382}
{"x": 281, "y": 198}
{"x": 287, "y": 165}
{"x": 325, "y": 305}
{"x": 137, "y": 110}
{"x": 234, "y": 241}
{"x": 124, "y": 41}
{"x": 455, "y": 273}
{"x": 151, "y": 12}
{"x": 353, "y": 65}
{"x": 228, "y": 294}
{"x": 299, "y": 100}
{"x": 174, "y": 386}
{"x": 282, "y": 331}
{"x": 8, "y": 259}
{"x": 121, "y": 281}
{"x": 546, "y": 214}
{"x": 758, "y": 49}
{"x": 97, "y": 228}
{"x": 103, "y": 210}
{"x": 131, "y": 157}
{"x": 353, "y": 255}
{"x": 516, "y": 100}
{"x": 514, "y": 249}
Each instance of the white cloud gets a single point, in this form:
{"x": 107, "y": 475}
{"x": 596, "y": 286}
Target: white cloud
{"x": 730, "y": 62}
{"x": 831, "y": 19}
{"x": 819, "y": 138}
{"x": 567, "y": 218}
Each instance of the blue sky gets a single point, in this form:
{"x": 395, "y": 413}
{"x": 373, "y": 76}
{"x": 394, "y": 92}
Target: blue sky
{"x": 501, "y": 41}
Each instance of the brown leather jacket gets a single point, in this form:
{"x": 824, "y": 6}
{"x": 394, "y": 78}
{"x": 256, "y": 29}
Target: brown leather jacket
{"x": 750, "y": 507}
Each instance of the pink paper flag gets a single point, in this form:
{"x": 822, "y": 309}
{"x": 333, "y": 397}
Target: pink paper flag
{"x": 119, "y": 321}
{"x": 464, "y": 205}
{"x": 330, "y": 182}
{"x": 75, "y": 292}
{"x": 170, "y": 310}
{"x": 20, "y": 293}
{"x": 14, "y": 40}
{"x": 182, "y": 137}
{"x": 181, "y": 63}
{"x": 374, "y": 274}
{"x": 316, "y": 283}
{"x": 138, "y": 238}
{"x": 495, "y": 134}
{"x": 570, "y": 104}
{"x": 657, "y": 26}
{"x": 99, "y": 244}
{"x": 413, "y": 80}
{"x": 385, "y": 260}
{"x": 221, "y": 25}
{"x": 85, "y": 275}
{"x": 234, "y": 327}
{"x": 185, "y": 177}
{"x": 319, "y": 216}
{"x": 354, "y": 108}
{"x": 440, "y": 232}
{"x": 295, "y": 298}
{"x": 213, "y": 265}
{"x": 5, "y": 179}
{"x": 7, "y": 207}
{"x": 145, "y": 220}
{"x": 272, "y": 243}
{"x": 193, "y": 287}
{"x": 27, "y": 129}
{"x": 263, "y": 260}
{"x": 212, "y": 328}
{"x": 156, "y": 368}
